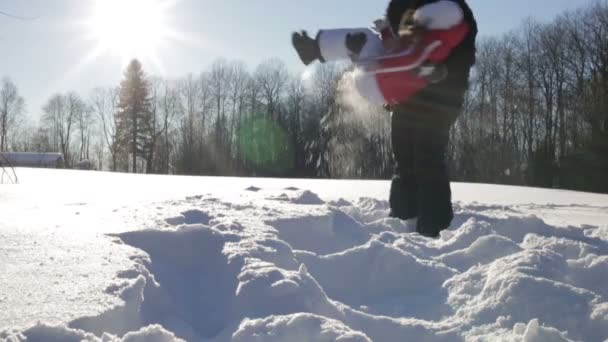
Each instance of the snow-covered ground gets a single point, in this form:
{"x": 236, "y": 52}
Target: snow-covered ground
{"x": 112, "y": 257}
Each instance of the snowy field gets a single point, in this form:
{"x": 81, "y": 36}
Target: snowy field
{"x": 110, "y": 257}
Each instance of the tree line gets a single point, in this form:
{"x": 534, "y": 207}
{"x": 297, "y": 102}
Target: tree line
{"x": 537, "y": 109}
{"x": 224, "y": 121}
{"x": 536, "y": 114}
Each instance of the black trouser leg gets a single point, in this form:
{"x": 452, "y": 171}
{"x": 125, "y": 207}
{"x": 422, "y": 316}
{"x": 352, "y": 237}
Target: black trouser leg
{"x": 435, "y": 211}
{"x": 404, "y": 187}
{"x": 421, "y": 186}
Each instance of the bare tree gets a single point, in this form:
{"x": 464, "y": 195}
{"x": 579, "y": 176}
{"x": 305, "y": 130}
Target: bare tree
{"x": 11, "y": 106}
{"x": 24, "y": 137}
{"x": 192, "y": 132}
{"x": 165, "y": 106}
{"x": 271, "y": 77}
{"x": 219, "y": 77}
{"x": 295, "y": 104}
{"x": 527, "y": 63}
{"x": 597, "y": 44}
{"x": 61, "y": 113}
{"x": 84, "y": 124}
{"x": 104, "y": 103}
{"x": 239, "y": 78}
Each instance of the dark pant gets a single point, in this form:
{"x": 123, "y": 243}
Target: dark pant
{"x": 420, "y": 186}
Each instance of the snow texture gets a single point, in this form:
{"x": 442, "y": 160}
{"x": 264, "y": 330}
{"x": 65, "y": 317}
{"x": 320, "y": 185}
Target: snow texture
{"x": 272, "y": 262}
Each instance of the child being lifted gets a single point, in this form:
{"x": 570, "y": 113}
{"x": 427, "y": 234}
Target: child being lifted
{"x": 390, "y": 66}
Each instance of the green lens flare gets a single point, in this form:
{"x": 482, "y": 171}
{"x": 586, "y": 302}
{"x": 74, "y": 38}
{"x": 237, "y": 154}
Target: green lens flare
{"x": 265, "y": 143}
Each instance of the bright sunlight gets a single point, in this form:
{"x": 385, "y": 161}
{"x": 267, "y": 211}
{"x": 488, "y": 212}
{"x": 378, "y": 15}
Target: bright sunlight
{"x": 130, "y": 28}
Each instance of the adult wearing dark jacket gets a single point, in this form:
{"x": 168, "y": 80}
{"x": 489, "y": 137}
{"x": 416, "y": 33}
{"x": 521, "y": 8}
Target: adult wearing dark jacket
{"x": 420, "y": 132}
{"x": 420, "y": 123}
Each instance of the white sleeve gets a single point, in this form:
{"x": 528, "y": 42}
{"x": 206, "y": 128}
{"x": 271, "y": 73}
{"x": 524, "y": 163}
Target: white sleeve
{"x": 440, "y": 15}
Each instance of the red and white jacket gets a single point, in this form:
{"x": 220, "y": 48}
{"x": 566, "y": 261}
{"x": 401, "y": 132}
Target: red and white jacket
{"x": 393, "y": 78}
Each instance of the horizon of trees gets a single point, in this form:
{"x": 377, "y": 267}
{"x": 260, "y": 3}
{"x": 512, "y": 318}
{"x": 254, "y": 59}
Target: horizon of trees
{"x": 537, "y": 109}
{"x": 536, "y": 114}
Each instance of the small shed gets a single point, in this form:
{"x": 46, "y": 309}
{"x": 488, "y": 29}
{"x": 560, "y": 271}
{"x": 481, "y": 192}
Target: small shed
{"x": 31, "y": 159}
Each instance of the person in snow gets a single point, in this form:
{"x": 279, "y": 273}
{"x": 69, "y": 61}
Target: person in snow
{"x": 417, "y": 63}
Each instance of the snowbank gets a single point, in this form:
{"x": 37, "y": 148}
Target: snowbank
{"x": 46, "y": 333}
{"x": 282, "y": 264}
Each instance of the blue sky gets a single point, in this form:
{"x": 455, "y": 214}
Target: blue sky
{"x": 47, "y": 55}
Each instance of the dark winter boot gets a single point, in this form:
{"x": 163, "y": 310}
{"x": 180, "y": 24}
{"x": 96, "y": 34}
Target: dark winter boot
{"x": 431, "y": 229}
{"x": 435, "y": 212}
{"x": 306, "y": 47}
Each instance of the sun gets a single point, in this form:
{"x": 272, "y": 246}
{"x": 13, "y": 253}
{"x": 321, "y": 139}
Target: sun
{"x": 129, "y": 28}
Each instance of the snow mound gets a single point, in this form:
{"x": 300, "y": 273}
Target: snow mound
{"x": 47, "y": 333}
{"x": 528, "y": 285}
{"x": 266, "y": 290}
{"x": 483, "y": 250}
{"x": 534, "y": 332}
{"x": 297, "y": 328}
{"x": 366, "y": 209}
{"x": 306, "y": 197}
{"x": 521, "y": 332}
{"x": 189, "y": 217}
{"x": 374, "y": 274}
{"x": 332, "y": 232}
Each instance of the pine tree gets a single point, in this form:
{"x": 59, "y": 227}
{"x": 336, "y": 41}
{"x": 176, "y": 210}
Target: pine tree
{"x": 134, "y": 115}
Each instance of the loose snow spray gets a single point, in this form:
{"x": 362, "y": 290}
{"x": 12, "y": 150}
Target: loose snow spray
{"x": 356, "y": 106}
{"x": 353, "y": 108}
{"x": 366, "y": 122}
{"x": 350, "y": 123}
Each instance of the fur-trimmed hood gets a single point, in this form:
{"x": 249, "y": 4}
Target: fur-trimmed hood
{"x": 397, "y": 8}
{"x": 462, "y": 57}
